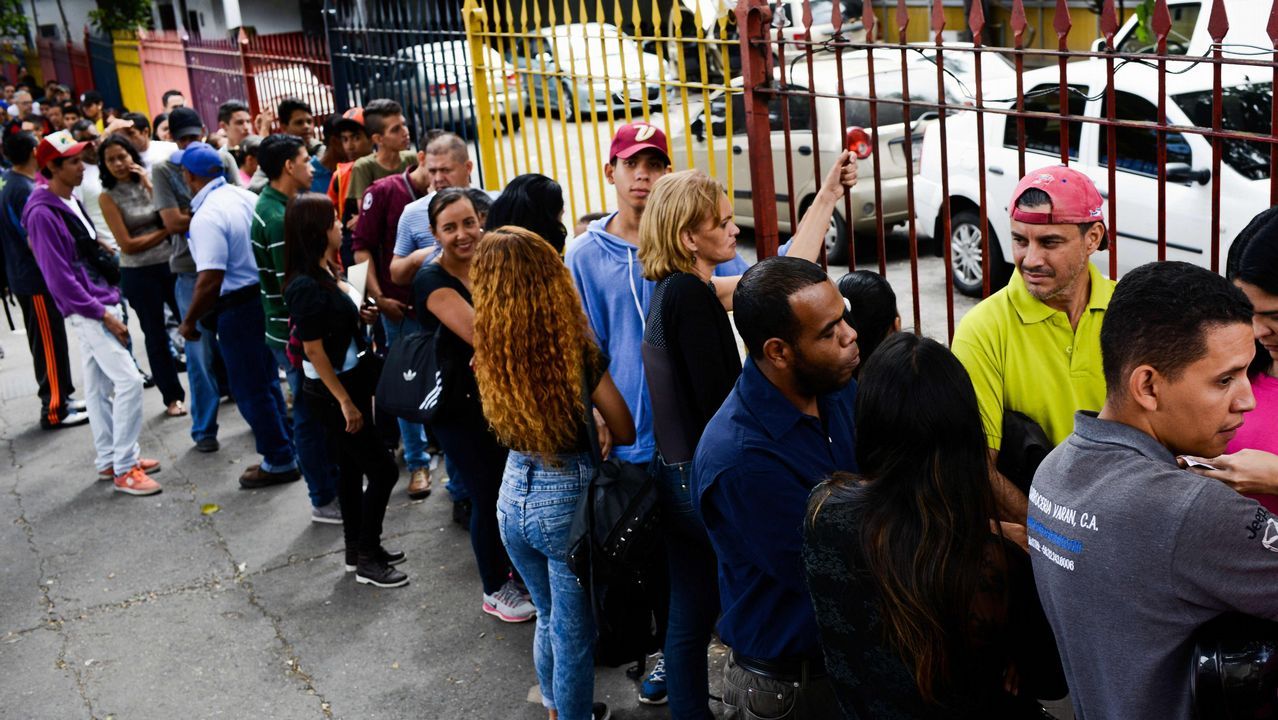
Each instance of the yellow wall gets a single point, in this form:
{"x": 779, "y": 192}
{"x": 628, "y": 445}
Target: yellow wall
{"x": 998, "y": 29}
{"x": 32, "y": 61}
{"x": 128, "y": 66}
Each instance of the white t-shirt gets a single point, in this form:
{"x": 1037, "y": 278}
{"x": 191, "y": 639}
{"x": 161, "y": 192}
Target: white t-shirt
{"x": 75, "y": 208}
{"x": 159, "y": 151}
{"x": 89, "y": 191}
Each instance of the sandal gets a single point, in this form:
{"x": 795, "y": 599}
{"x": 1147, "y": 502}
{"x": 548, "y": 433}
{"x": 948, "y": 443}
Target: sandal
{"x": 176, "y": 409}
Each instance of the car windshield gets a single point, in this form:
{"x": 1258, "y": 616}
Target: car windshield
{"x": 1244, "y": 108}
{"x": 1184, "y": 18}
{"x": 887, "y": 86}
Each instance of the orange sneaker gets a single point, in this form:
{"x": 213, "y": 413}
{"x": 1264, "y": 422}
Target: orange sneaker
{"x": 148, "y": 466}
{"x": 136, "y": 482}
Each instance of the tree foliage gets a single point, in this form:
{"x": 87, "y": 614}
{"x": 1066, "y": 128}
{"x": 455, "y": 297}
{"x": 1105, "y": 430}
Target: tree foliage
{"x": 13, "y": 20}
{"x": 121, "y": 15}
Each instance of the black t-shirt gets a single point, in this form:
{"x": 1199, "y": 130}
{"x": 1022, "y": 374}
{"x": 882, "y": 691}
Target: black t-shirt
{"x": 432, "y": 277}
{"x": 324, "y": 313}
{"x": 690, "y": 359}
{"x": 1006, "y": 625}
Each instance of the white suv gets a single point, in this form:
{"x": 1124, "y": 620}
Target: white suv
{"x": 1244, "y": 176}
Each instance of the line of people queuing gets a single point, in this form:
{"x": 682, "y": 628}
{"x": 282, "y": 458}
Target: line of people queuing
{"x": 863, "y": 516}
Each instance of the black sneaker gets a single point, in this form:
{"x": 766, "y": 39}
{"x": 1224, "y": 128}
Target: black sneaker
{"x": 390, "y": 557}
{"x": 599, "y": 711}
{"x": 461, "y": 512}
{"x": 207, "y": 445}
{"x": 375, "y": 572}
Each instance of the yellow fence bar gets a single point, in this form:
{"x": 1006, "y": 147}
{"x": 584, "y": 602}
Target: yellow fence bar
{"x": 580, "y": 68}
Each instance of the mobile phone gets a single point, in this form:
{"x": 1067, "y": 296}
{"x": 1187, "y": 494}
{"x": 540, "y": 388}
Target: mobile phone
{"x": 1197, "y": 462}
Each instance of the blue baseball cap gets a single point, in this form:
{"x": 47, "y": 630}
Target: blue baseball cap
{"x": 200, "y": 159}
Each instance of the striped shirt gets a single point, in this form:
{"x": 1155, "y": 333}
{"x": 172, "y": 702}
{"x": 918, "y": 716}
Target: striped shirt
{"x": 268, "y": 250}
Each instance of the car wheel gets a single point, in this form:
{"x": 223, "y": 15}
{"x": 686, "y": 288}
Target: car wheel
{"x": 966, "y": 253}
{"x": 565, "y": 101}
{"x": 836, "y": 240}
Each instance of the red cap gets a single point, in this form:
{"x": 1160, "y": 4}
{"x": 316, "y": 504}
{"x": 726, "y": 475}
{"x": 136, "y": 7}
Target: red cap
{"x": 1074, "y": 196}
{"x": 56, "y": 145}
{"x": 351, "y": 119}
{"x": 637, "y": 137}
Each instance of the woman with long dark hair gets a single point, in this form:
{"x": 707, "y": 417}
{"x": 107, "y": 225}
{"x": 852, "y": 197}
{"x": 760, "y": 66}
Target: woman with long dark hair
{"x": 535, "y": 203}
{"x": 145, "y": 279}
{"x": 442, "y": 292}
{"x": 926, "y": 609}
{"x": 871, "y": 311}
{"x": 540, "y": 373}
{"x": 1250, "y": 464}
{"x": 328, "y": 316}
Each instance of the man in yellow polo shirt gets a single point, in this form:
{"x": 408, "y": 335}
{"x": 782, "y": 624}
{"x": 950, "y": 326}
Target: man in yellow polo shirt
{"x": 1034, "y": 346}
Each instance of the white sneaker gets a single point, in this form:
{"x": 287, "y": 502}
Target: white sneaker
{"x": 509, "y": 605}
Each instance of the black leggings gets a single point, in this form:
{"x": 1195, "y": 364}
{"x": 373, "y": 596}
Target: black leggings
{"x": 466, "y": 439}
{"x": 358, "y": 455}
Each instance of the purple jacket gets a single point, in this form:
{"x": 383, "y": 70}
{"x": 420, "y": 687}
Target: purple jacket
{"x": 74, "y": 290}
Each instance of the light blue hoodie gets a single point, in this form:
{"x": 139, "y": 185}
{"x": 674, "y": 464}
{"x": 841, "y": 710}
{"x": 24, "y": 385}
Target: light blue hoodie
{"x": 615, "y": 295}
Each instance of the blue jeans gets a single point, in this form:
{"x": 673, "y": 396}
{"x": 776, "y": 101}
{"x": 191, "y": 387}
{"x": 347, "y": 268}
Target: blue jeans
{"x": 694, "y": 593}
{"x": 413, "y": 434}
{"x": 148, "y": 289}
{"x": 241, "y": 331}
{"x": 534, "y": 511}
{"x": 310, "y": 437}
{"x": 199, "y": 367}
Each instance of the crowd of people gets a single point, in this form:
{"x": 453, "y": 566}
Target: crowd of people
{"x": 875, "y": 524}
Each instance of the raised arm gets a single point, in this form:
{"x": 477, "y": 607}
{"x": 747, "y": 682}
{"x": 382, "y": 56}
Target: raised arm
{"x": 810, "y": 235}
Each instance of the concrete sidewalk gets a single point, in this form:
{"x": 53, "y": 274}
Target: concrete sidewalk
{"x": 113, "y": 606}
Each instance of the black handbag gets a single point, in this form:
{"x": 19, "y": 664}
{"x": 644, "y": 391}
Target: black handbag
{"x": 616, "y": 527}
{"x": 416, "y": 379}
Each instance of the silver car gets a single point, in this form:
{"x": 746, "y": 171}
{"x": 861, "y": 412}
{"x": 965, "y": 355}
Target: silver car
{"x": 433, "y": 82}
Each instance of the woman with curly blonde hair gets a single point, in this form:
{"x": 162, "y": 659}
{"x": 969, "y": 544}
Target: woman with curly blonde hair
{"x": 536, "y": 363}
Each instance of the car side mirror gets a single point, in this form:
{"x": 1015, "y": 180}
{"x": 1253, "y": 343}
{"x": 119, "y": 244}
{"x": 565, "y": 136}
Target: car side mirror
{"x": 1184, "y": 174}
{"x": 1098, "y": 45}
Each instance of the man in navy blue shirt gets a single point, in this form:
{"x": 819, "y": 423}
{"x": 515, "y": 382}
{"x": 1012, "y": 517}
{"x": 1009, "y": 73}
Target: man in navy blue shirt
{"x": 785, "y": 427}
{"x": 46, "y": 330}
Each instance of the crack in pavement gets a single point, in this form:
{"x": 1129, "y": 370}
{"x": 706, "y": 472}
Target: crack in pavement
{"x": 52, "y": 621}
{"x": 241, "y": 580}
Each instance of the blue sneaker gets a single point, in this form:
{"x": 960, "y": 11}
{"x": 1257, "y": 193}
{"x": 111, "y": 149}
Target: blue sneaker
{"x": 653, "y": 689}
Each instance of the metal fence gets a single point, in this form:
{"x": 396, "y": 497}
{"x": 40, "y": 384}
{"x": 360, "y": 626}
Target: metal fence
{"x": 409, "y": 51}
{"x": 578, "y": 70}
{"x": 163, "y": 61}
{"x": 102, "y": 63}
{"x": 288, "y": 65}
{"x": 216, "y": 70}
{"x": 1184, "y": 107}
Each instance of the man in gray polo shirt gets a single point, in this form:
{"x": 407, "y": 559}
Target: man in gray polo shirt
{"x": 1132, "y": 554}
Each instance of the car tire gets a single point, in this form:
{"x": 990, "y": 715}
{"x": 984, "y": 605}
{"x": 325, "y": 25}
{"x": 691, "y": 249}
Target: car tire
{"x": 512, "y": 127}
{"x": 836, "y": 240}
{"x": 965, "y": 255}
